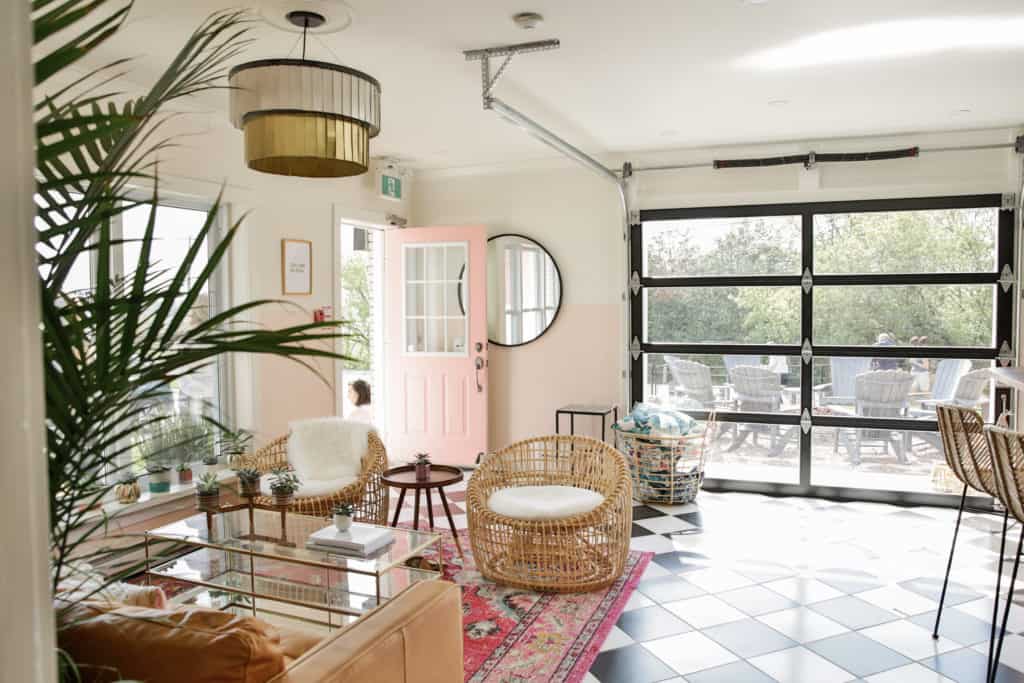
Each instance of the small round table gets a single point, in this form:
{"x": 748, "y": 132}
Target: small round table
{"x": 404, "y": 478}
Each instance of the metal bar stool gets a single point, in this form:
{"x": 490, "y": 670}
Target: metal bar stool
{"x": 969, "y": 456}
{"x": 1008, "y": 454}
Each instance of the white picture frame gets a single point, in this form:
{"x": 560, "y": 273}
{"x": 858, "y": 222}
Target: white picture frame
{"x": 296, "y": 267}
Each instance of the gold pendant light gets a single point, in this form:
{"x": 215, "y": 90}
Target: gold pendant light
{"x": 302, "y": 117}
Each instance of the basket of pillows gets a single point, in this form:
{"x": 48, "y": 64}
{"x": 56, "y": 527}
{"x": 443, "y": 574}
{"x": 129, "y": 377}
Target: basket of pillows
{"x": 666, "y": 452}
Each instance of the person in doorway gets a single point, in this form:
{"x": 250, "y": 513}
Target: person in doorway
{"x": 886, "y": 339}
{"x": 359, "y": 395}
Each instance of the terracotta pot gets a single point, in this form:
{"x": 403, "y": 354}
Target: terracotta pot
{"x": 283, "y": 499}
{"x": 250, "y": 488}
{"x": 185, "y": 476}
{"x": 422, "y": 471}
{"x": 127, "y": 492}
{"x": 208, "y": 500}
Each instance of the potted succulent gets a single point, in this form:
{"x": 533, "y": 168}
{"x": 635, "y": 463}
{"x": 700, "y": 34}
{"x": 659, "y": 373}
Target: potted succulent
{"x": 128, "y": 490}
{"x": 234, "y": 444}
{"x": 184, "y": 473}
{"x": 208, "y": 490}
{"x": 211, "y": 464}
{"x": 343, "y": 516}
{"x": 422, "y": 465}
{"x": 249, "y": 479}
{"x": 283, "y": 484}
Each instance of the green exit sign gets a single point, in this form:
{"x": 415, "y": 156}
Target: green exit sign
{"x": 390, "y": 186}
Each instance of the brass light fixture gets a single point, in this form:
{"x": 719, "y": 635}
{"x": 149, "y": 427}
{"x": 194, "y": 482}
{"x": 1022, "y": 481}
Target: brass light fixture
{"x": 302, "y": 117}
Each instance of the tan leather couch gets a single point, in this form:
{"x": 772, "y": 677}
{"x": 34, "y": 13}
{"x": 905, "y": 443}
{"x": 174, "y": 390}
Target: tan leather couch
{"x": 414, "y": 638}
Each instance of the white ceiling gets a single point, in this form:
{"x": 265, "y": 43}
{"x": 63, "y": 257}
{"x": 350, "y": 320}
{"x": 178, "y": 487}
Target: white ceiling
{"x": 650, "y": 74}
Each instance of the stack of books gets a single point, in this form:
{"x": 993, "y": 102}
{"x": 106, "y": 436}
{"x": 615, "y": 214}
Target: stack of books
{"x": 360, "y": 539}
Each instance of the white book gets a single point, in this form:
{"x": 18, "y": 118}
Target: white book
{"x": 360, "y": 538}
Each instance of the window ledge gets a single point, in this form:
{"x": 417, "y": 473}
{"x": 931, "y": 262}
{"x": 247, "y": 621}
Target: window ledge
{"x": 153, "y": 504}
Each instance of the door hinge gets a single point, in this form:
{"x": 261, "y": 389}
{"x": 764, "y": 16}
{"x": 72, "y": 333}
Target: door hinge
{"x": 1006, "y": 278}
{"x": 805, "y": 421}
{"x": 634, "y": 283}
{"x": 806, "y": 352}
{"x": 807, "y": 281}
{"x": 634, "y": 348}
{"x": 1006, "y": 355}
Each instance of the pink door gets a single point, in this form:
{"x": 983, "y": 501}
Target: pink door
{"x": 437, "y": 358}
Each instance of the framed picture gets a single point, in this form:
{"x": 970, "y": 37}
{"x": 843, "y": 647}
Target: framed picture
{"x": 296, "y": 267}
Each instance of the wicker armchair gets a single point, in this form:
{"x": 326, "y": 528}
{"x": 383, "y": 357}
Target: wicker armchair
{"x": 579, "y": 553}
{"x": 367, "y": 494}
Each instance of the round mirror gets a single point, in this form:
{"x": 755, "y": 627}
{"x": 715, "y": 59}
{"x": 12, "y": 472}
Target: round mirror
{"x": 524, "y": 290}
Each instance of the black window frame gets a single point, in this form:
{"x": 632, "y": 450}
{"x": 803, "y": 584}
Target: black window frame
{"x": 1003, "y": 313}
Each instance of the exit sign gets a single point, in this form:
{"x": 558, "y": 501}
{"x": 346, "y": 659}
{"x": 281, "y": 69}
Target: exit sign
{"x": 390, "y": 187}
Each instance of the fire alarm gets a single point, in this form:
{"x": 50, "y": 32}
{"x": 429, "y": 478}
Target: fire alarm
{"x": 527, "y": 20}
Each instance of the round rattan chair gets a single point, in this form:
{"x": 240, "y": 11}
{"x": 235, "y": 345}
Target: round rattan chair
{"x": 575, "y": 554}
{"x": 367, "y": 494}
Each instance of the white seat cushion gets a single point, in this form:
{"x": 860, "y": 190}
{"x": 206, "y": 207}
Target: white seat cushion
{"x": 327, "y": 448}
{"x": 310, "y": 488}
{"x": 543, "y": 502}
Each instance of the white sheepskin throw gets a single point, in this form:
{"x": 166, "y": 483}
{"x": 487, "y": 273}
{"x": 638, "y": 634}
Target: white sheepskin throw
{"x": 325, "y": 448}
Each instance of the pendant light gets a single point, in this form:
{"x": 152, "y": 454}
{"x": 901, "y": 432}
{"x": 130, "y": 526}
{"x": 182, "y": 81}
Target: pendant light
{"x": 302, "y": 117}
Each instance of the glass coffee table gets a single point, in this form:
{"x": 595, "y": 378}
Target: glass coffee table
{"x": 253, "y": 560}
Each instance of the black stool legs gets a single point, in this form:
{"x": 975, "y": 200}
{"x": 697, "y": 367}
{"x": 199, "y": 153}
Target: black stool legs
{"x": 994, "y": 666}
{"x": 949, "y": 565}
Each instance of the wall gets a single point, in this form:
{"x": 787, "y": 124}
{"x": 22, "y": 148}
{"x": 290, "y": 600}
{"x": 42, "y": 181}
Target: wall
{"x": 574, "y": 214}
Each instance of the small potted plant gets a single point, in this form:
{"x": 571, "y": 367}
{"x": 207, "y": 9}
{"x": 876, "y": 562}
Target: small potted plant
{"x": 343, "y": 516}
{"x": 127, "y": 490}
{"x": 184, "y": 473}
{"x": 249, "y": 479}
{"x": 234, "y": 444}
{"x": 283, "y": 484}
{"x": 422, "y": 465}
{"x": 208, "y": 490}
{"x": 159, "y": 477}
{"x": 211, "y": 464}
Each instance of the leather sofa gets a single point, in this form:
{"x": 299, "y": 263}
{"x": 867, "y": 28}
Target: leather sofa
{"x": 414, "y": 638}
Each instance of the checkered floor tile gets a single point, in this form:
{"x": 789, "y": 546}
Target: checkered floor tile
{"x": 746, "y": 588}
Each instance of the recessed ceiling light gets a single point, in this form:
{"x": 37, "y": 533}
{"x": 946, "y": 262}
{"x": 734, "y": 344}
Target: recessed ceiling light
{"x": 527, "y": 20}
{"x": 670, "y": 132}
{"x": 963, "y": 110}
{"x": 754, "y": 2}
{"x": 777, "y": 103}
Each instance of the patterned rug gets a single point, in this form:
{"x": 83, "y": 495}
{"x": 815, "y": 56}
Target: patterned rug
{"x": 516, "y": 635}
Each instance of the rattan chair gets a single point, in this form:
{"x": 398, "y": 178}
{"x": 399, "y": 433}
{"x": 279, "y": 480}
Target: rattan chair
{"x": 367, "y": 494}
{"x": 1008, "y": 459}
{"x": 969, "y": 456}
{"x": 575, "y": 554}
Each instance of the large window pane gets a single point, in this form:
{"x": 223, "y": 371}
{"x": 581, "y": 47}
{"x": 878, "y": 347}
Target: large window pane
{"x": 938, "y": 241}
{"x": 930, "y": 315}
{"x": 747, "y": 383}
{"x": 744, "y": 315}
{"x": 755, "y": 452}
{"x": 880, "y": 459}
{"x": 764, "y": 245}
{"x": 854, "y": 387}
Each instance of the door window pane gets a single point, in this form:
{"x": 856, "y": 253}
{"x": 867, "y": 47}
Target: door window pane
{"x": 755, "y": 452}
{"x": 763, "y": 245}
{"x": 938, "y": 241}
{"x": 435, "y": 298}
{"x": 744, "y": 315}
{"x": 929, "y": 315}
{"x": 880, "y": 459}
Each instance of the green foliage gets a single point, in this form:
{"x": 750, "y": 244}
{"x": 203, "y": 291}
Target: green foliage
{"x": 174, "y": 440}
{"x": 284, "y": 481}
{"x": 208, "y": 484}
{"x": 235, "y": 442}
{"x": 248, "y": 474}
{"x": 343, "y": 509}
{"x": 355, "y": 284}
{"x": 112, "y": 353}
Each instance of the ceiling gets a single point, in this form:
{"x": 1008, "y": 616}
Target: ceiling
{"x": 649, "y": 74}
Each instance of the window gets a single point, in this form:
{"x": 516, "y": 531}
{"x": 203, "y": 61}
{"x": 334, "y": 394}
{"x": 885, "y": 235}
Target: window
{"x": 824, "y": 334}
{"x": 434, "y": 312}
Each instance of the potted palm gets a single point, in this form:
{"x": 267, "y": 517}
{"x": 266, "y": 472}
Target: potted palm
{"x": 343, "y": 516}
{"x": 208, "y": 491}
{"x": 283, "y": 484}
{"x": 249, "y": 480}
{"x": 234, "y": 444}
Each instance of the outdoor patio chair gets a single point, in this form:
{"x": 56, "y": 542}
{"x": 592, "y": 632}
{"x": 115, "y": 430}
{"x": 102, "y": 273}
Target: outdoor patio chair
{"x": 947, "y": 377}
{"x": 756, "y": 389}
{"x": 879, "y": 393}
{"x": 693, "y": 383}
{"x": 843, "y": 375}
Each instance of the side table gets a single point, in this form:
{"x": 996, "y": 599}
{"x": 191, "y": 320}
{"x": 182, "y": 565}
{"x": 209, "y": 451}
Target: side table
{"x": 574, "y": 409}
{"x": 404, "y": 478}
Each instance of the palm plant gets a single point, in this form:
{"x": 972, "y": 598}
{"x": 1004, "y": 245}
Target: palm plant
{"x": 113, "y": 352}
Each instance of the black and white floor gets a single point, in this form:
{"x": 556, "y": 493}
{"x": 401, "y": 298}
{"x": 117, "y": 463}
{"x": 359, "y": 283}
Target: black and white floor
{"x": 746, "y": 588}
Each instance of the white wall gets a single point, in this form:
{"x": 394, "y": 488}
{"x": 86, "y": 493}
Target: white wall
{"x": 575, "y": 215}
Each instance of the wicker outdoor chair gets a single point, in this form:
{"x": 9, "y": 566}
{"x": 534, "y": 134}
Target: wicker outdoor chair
{"x": 367, "y": 494}
{"x": 572, "y": 554}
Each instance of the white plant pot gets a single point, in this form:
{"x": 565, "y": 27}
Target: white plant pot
{"x": 342, "y": 522}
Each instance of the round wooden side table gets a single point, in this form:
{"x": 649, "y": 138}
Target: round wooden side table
{"x": 404, "y": 478}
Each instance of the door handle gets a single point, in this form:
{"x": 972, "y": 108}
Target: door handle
{"x": 479, "y": 366}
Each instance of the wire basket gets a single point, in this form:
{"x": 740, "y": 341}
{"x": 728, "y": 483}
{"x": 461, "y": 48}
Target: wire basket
{"x": 665, "y": 469}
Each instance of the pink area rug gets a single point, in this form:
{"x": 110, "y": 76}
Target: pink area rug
{"x": 516, "y": 635}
